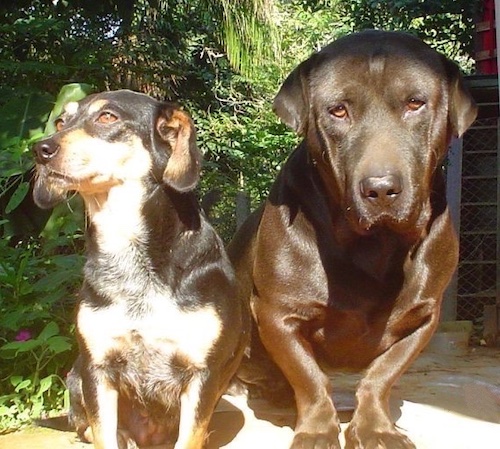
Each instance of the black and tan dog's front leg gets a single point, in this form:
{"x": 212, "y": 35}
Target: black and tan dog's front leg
{"x": 416, "y": 316}
{"x": 101, "y": 405}
{"x": 198, "y": 402}
{"x": 317, "y": 425}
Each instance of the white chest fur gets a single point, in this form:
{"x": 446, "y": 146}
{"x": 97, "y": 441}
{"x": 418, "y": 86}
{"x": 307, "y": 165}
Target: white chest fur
{"x": 163, "y": 326}
{"x": 121, "y": 273}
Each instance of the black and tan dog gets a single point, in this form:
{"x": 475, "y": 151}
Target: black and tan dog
{"x": 346, "y": 263}
{"x": 159, "y": 327}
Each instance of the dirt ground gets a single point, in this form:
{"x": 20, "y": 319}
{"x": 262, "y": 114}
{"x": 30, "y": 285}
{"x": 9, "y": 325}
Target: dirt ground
{"x": 443, "y": 402}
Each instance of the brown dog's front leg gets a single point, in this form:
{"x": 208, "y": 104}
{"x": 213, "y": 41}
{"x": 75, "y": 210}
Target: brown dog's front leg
{"x": 415, "y": 317}
{"x": 371, "y": 425}
{"x": 317, "y": 425}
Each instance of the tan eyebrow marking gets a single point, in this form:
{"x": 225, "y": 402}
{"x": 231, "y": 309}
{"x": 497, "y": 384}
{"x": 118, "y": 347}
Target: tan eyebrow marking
{"x": 96, "y": 105}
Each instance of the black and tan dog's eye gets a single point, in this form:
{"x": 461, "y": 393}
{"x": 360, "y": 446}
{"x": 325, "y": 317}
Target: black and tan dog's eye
{"x": 338, "y": 111}
{"x": 107, "y": 118}
{"x": 59, "y": 124}
{"x": 414, "y": 104}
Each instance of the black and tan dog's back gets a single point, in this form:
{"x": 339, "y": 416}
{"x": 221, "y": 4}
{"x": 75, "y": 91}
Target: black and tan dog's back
{"x": 159, "y": 328}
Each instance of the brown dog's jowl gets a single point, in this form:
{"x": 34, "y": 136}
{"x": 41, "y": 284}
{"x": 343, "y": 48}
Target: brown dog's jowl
{"x": 345, "y": 264}
{"x": 159, "y": 327}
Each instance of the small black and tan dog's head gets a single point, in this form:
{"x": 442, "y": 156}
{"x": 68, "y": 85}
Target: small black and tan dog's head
{"x": 111, "y": 138}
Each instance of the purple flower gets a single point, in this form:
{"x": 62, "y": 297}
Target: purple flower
{"x": 23, "y": 335}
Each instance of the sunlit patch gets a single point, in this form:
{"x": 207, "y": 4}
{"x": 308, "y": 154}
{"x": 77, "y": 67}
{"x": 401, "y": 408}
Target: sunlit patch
{"x": 71, "y": 108}
{"x": 95, "y": 162}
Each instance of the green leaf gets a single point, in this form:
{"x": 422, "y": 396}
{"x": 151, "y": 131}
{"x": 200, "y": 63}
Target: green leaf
{"x": 50, "y": 330}
{"x": 17, "y": 197}
{"x": 23, "y": 385}
{"x": 45, "y": 385}
{"x": 58, "y": 278}
{"x": 19, "y": 346}
{"x": 59, "y": 344}
{"x": 16, "y": 380}
{"x": 23, "y": 115}
{"x": 66, "y": 400}
{"x": 68, "y": 93}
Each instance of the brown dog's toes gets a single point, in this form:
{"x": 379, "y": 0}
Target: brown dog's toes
{"x": 125, "y": 441}
{"x": 314, "y": 441}
{"x": 372, "y": 439}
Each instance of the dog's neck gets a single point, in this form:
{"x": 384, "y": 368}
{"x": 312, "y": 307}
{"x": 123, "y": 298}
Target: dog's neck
{"x": 133, "y": 240}
{"x": 115, "y": 217}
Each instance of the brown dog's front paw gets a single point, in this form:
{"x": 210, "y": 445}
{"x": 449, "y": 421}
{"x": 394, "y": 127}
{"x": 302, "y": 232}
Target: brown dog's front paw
{"x": 371, "y": 438}
{"x": 125, "y": 441}
{"x": 304, "y": 440}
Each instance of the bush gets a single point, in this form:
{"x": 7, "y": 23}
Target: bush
{"x": 40, "y": 266}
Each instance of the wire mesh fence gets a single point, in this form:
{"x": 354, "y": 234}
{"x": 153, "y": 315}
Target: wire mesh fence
{"x": 478, "y": 266}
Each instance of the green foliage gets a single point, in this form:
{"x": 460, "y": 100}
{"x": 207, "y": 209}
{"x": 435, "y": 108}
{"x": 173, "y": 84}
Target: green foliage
{"x": 35, "y": 391}
{"x": 38, "y": 274}
{"x": 249, "y": 34}
{"x": 447, "y": 25}
{"x": 243, "y": 153}
{"x": 36, "y": 299}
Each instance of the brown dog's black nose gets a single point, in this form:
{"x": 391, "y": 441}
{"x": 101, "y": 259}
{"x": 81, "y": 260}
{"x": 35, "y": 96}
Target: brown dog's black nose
{"x": 381, "y": 189}
{"x": 45, "y": 150}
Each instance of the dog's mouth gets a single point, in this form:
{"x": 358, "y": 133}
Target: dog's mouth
{"x": 371, "y": 225}
{"x": 411, "y": 219}
{"x": 52, "y": 186}
{"x": 56, "y": 177}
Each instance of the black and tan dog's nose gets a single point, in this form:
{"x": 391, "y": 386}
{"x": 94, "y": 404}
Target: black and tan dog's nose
{"x": 45, "y": 150}
{"x": 382, "y": 190}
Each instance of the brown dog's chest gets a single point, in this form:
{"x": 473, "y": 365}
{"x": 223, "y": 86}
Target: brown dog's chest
{"x": 347, "y": 298}
{"x": 351, "y": 338}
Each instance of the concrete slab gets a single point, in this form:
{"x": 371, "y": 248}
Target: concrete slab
{"x": 443, "y": 402}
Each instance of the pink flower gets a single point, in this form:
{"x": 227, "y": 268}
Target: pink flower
{"x": 23, "y": 335}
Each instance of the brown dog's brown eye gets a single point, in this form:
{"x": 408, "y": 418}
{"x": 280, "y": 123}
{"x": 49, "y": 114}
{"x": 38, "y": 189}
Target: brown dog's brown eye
{"x": 414, "y": 104}
{"x": 339, "y": 111}
{"x": 59, "y": 124}
{"x": 107, "y": 117}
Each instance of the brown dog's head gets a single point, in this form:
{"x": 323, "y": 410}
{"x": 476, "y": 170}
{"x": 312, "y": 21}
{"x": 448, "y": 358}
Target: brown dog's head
{"x": 112, "y": 138}
{"x": 377, "y": 111}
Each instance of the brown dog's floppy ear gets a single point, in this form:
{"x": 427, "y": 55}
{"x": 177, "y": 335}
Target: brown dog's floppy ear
{"x": 292, "y": 102}
{"x": 462, "y": 107}
{"x": 183, "y": 167}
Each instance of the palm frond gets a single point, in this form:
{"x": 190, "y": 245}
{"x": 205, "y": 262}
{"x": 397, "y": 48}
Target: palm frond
{"x": 249, "y": 33}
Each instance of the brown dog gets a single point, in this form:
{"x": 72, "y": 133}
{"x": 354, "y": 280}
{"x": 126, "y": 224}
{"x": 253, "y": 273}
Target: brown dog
{"x": 346, "y": 263}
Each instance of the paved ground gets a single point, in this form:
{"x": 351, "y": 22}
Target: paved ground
{"x": 443, "y": 402}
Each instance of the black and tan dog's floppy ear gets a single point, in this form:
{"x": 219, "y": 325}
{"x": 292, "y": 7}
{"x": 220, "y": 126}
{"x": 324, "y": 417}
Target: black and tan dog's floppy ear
{"x": 292, "y": 102}
{"x": 462, "y": 107}
{"x": 183, "y": 168}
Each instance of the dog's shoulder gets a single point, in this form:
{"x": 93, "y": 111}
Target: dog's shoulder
{"x": 299, "y": 192}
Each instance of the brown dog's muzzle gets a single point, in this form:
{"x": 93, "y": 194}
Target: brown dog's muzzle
{"x": 381, "y": 191}
{"x": 384, "y": 200}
